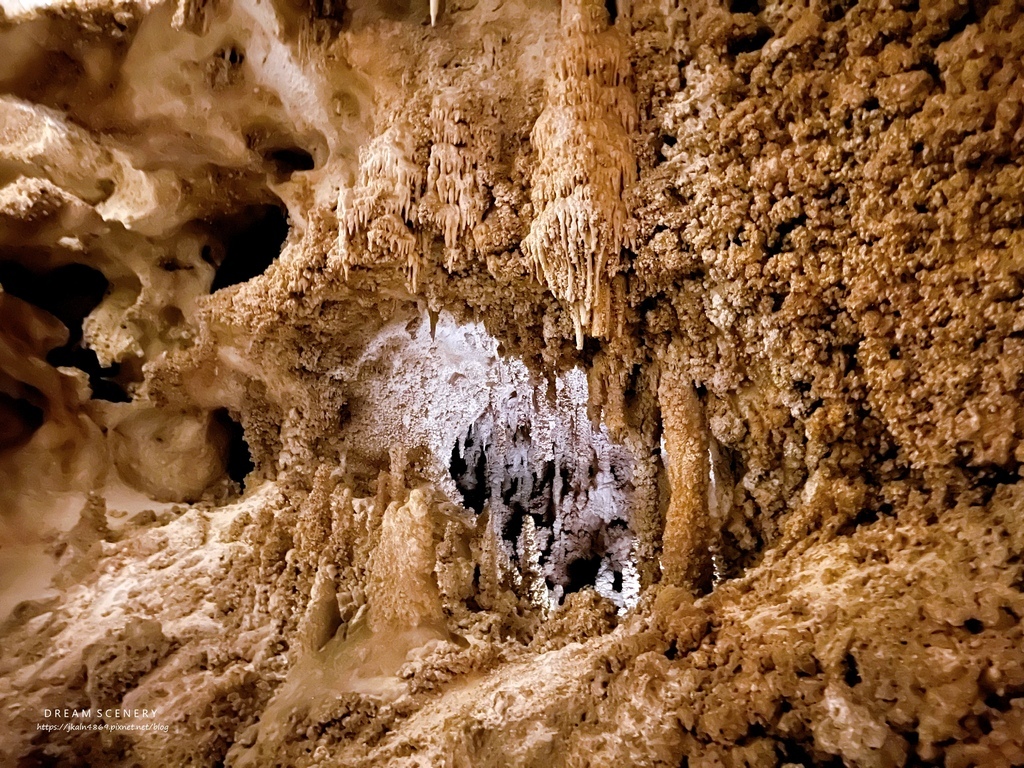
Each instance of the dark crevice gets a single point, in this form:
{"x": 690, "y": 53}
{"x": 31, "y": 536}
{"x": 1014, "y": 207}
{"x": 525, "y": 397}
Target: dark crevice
{"x": 525, "y": 480}
{"x": 783, "y": 230}
{"x": 471, "y": 484}
{"x": 239, "y": 459}
{"x": 835, "y": 11}
{"x": 69, "y": 293}
{"x": 287, "y": 160}
{"x": 850, "y": 357}
{"x": 513, "y": 530}
{"x": 989, "y": 478}
{"x": 251, "y": 241}
{"x": 865, "y": 516}
{"x": 582, "y": 573}
{"x": 745, "y": 6}
{"x": 19, "y": 419}
{"x": 543, "y": 511}
{"x": 750, "y": 42}
{"x": 974, "y": 626}
{"x": 999, "y": 703}
{"x": 973, "y": 13}
{"x": 793, "y": 751}
{"x": 103, "y": 381}
{"x": 612, "y": 6}
{"x": 851, "y": 674}
{"x": 329, "y": 10}
{"x": 509, "y": 490}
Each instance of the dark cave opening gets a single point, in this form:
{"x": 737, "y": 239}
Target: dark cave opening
{"x": 745, "y": 6}
{"x": 556, "y": 490}
{"x": 836, "y": 10}
{"x": 972, "y": 13}
{"x": 748, "y": 43}
{"x": 582, "y": 572}
{"x": 19, "y": 419}
{"x": 513, "y": 529}
{"x": 792, "y": 750}
{"x": 239, "y": 458}
{"x": 103, "y": 381}
{"x": 251, "y": 240}
{"x": 472, "y": 484}
{"x": 69, "y": 293}
{"x": 851, "y": 673}
{"x": 288, "y": 160}
{"x": 612, "y": 6}
{"x": 333, "y": 10}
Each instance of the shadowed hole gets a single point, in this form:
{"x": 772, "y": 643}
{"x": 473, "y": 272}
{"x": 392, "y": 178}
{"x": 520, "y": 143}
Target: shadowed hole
{"x": 252, "y": 240}
{"x": 471, "y": 481}
{"x": 851, "y": 674}
{"x": 102, "y": 380}
{"x": 239, "y": 460}
{"x": 19, "y": 419}
{"x": 836, "y": 11}
{"x": 69, "y": 293}
{"x": 973, "y": 13}
{"x": 751, "y": 42}
{"x": 582, "y": 572}
{"x": 745, "y": 6}
{"x": 287, "y": 160}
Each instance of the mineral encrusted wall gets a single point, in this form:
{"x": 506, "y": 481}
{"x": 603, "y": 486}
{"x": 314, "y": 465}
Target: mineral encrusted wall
{"x": 557, "y": 384}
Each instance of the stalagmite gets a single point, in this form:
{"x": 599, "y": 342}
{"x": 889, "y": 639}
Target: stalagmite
{"x": 687, "y": 538}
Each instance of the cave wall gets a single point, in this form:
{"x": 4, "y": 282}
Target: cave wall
{"x": 513, "y": 383}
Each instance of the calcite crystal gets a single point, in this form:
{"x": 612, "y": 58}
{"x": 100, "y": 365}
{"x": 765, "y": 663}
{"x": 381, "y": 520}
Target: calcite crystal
{"x": 512, "y": 383}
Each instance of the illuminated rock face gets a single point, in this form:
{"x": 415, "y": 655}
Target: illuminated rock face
{"x": 507, "y": 383}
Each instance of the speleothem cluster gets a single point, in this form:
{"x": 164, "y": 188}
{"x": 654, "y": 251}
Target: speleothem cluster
{"x": 512, "y": 383}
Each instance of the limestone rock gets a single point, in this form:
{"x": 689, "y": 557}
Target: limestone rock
{"x": 511, "y": 383}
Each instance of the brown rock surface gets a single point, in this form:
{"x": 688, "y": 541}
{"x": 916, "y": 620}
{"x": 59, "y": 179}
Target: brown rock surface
{"x": 554, "y": 384}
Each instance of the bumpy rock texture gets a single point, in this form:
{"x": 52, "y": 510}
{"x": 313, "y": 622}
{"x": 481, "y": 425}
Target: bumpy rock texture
{"x": 626, "y": 383}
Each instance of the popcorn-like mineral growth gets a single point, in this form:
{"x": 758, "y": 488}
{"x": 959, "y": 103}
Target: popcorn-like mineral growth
{"x": 511, "y": 383}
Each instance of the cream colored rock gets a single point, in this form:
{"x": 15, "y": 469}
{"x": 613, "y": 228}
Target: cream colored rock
{"x": 171, "y": 456}
{"x": 511, "y": 383}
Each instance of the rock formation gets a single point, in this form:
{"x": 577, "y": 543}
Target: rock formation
{"x": 512, "y": 383}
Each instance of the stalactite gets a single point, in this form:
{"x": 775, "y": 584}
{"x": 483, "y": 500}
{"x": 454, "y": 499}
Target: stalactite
{"x": 375, "y": 215}
{"x": 585, "y": 166}
{"x": 557, "y": 490}
{"x": 465, "y": 143}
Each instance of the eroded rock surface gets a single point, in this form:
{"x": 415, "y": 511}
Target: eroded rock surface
{"x": 512, "y": 383}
